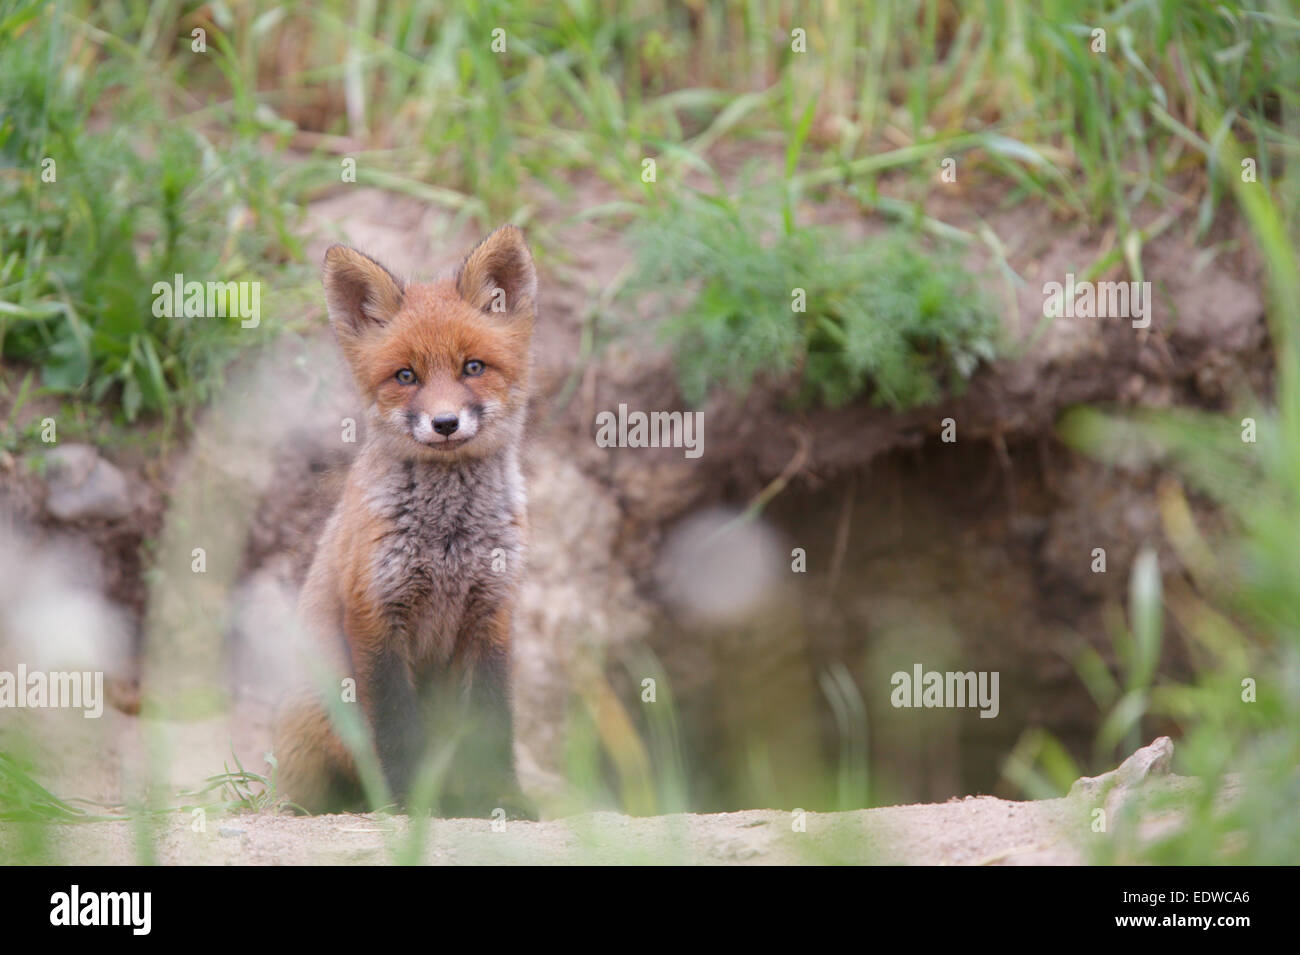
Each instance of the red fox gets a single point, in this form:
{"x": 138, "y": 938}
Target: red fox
{"x": 412, "y": 584}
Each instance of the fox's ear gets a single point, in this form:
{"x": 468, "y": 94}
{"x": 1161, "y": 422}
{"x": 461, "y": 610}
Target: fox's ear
{"x": 359, "y": 292}
{"x": 498, "y": 275}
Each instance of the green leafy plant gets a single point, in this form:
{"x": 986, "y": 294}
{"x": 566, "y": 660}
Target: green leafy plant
{"x": 751, "y": 295}
{"x": 238, "y": 789}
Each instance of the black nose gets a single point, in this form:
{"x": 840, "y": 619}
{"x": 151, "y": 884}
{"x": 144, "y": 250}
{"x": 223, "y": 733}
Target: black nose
{"x": 446, "y": 424}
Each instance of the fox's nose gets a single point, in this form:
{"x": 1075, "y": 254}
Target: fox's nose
{"x": 446, "y": 424}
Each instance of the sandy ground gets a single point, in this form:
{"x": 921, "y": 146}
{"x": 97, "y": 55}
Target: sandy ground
{"x": 974, "y": 830}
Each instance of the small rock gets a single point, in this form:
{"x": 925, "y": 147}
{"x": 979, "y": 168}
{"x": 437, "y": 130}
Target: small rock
{"x": 1116, "y": 786}
{"x": 83, "y": 486}
{"x": 229, "y": 832}
{"x": 1152, "y": 760}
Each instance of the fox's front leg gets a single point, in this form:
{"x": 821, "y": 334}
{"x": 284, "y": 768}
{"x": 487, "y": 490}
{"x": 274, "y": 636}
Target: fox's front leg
{"x": 485, "y": 779}
{"x": 386, "y": 691}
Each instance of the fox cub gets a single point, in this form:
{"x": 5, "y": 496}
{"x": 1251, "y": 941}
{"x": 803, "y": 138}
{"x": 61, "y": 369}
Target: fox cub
{"x": 411, "y": 587}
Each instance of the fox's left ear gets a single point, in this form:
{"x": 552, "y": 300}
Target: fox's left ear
{"x": 498, "y": 275}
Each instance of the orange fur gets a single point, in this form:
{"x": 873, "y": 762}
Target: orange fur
{"x": 400, "y": 593}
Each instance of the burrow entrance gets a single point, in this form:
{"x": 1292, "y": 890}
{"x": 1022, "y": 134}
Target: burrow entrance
{"x": 963, "y": 557}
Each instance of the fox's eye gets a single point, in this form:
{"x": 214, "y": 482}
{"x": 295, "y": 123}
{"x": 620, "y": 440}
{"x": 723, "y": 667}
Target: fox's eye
{"x": 406, "y": 376}
{"x": 474, "y": 367}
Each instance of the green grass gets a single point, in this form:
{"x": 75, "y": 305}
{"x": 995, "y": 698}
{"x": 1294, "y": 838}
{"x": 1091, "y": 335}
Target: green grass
{"x": 23, "y": 799}
{"x": 237, "y": 789}
{"x": 174, "y": 160}
{"x": 133, "y": 196}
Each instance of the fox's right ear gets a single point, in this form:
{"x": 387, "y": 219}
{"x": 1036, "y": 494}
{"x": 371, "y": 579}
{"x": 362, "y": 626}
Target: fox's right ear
{"x": 360, "y": 293}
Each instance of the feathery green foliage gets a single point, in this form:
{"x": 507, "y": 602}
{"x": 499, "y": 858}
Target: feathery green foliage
{"x": 884, "y": 316}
